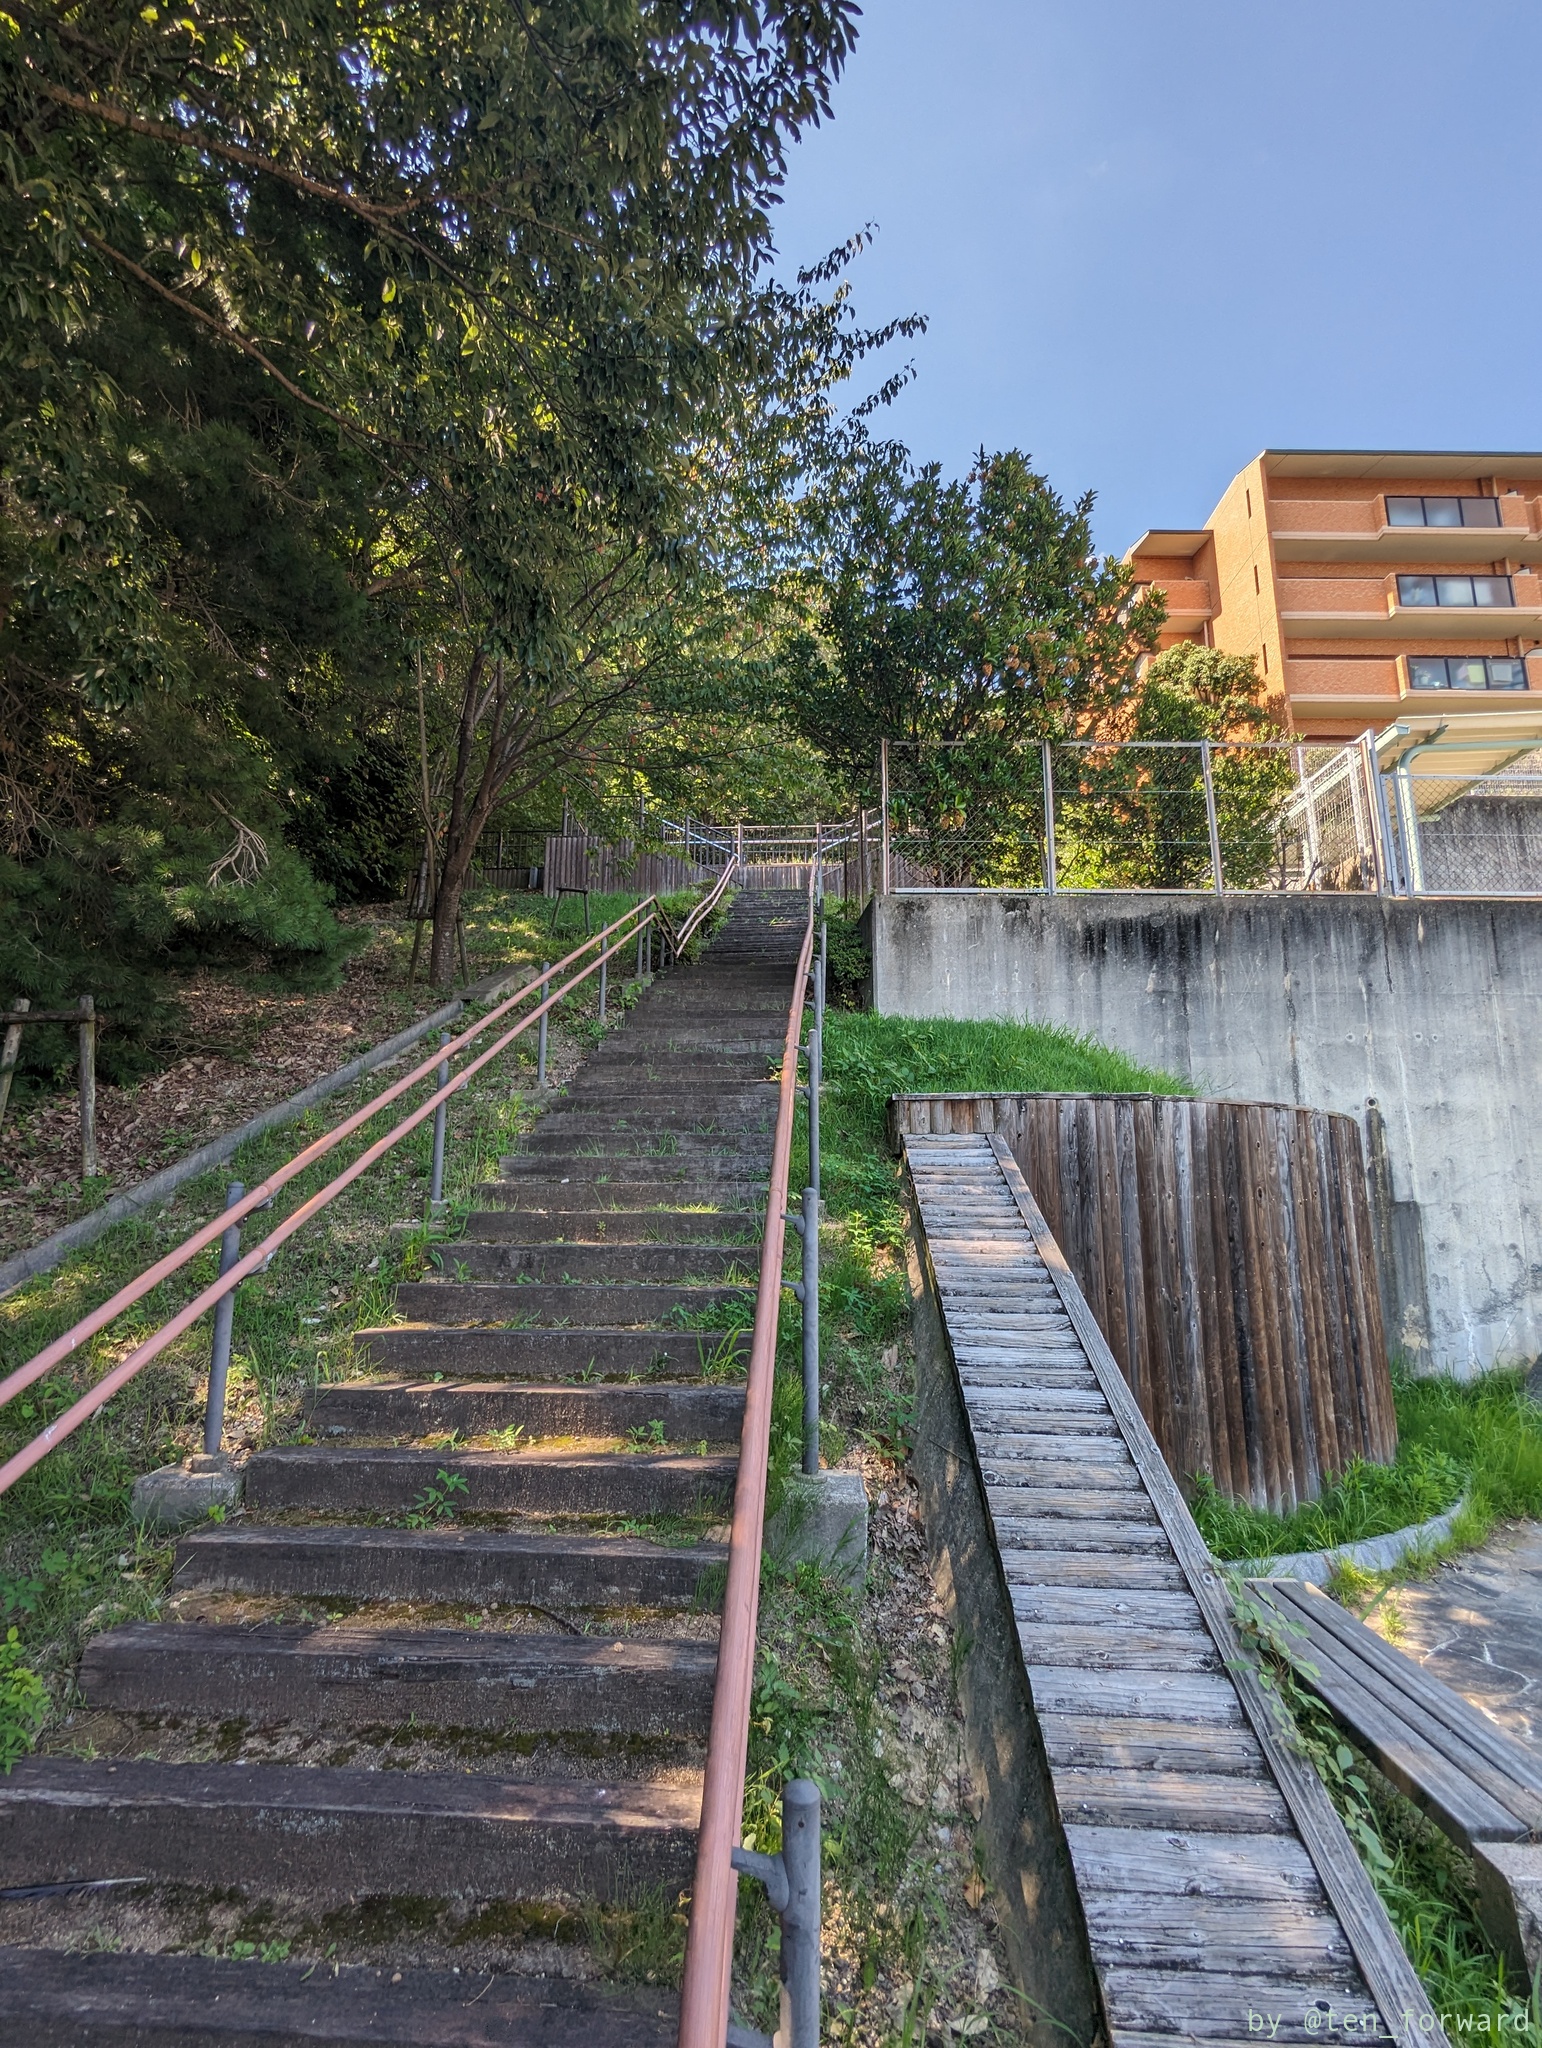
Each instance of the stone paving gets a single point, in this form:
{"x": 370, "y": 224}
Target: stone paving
{"x": 1476, "y": 1624}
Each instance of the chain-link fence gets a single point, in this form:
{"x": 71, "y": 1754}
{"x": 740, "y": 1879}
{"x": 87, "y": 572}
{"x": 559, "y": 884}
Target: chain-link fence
{"x": 1185, "y": 815}
{"x": 1148, "y": 815}
{"x": 1456, "y": 836}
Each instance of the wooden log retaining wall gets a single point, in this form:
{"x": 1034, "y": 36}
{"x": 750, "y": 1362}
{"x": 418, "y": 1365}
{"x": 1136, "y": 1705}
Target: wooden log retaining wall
{"x": 1226, "y": 1250}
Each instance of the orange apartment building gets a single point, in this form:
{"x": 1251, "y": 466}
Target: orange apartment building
{"x": 1401, "y": 592}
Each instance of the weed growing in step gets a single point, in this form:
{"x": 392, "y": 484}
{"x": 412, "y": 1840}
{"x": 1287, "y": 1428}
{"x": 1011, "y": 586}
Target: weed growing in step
{"x": 23, "y": 1702}
{"x": 439, "y": 1503}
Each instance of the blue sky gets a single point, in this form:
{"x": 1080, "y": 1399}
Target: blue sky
{"x": 1152, "y": 239}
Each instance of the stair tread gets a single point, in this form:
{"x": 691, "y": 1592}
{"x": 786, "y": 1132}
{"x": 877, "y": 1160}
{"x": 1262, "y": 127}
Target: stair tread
{"x": 73, "y": 1785}
{"x": 490, "y": 1542}
{"x": 163, "y": 2001}
{"x": 338, "y": 1642}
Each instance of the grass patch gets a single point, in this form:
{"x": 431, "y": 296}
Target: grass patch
{"x": 1479, "y": 1438}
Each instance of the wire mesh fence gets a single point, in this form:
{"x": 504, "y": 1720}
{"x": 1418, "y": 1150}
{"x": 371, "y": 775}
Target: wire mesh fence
{"x": 1173, "y": 816}
{"x": 1164, "y": 815}
{"x": 1454, "y": 835}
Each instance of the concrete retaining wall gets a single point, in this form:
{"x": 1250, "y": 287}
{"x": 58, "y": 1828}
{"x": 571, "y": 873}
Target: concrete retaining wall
{"x": 1421, "y": 1019}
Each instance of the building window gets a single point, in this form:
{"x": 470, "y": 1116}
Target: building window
{"x": 1466, "y": 672}
{"x": 1460, "y": 590}
{"x": 1443, "y": 512}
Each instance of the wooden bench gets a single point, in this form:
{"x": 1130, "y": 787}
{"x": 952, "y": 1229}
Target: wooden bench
{"x": 1478, "y": 1784}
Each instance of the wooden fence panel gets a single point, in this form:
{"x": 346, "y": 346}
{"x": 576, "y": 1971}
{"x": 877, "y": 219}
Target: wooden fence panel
{"x": 1226, "y": 1250}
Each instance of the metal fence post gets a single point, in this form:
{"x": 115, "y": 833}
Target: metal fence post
{"x": 1211, "y": 819}
{"x": 883, "y": 790}
{"x": 1408, "y": 834}
{"x": 224, "y": 1321}
{"x": 1047, "y": 758}
{"x": 540, "y": 1057}
{"x": 436, "y": 1183}
{"x": 792, "y": 1882}
{"x": 90, "y": 1166}
{"x": 1389, "y": 882}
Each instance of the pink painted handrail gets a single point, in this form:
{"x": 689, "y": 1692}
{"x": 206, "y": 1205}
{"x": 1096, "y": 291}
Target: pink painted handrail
{"x": 640, "y": 915}
{"x": 715, "y": 1893}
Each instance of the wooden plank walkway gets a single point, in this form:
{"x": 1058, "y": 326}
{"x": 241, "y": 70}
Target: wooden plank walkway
{"x": 1223, "y": 1901}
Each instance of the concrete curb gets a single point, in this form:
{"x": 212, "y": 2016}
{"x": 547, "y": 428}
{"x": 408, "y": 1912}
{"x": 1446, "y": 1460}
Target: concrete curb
{"x": 42, "y": 1258}
{"x": 1371, "y": 1554}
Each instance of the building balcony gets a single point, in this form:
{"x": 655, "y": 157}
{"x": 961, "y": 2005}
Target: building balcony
{"x": 1358, "y": 530}
{"x": 1373, "y": 608}
{"x": 1373, "y": 691}
{"x": 1189, "y": 603}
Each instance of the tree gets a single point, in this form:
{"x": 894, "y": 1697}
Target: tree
{"x": 962, "y": 621}
{"x": 650, "y": 630}
{"x": 497, "y": 265}
{"x": 1135, "y": 811}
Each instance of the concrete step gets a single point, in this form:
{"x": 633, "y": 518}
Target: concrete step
{"x": 298, "y": 1478}
{"x": 636, "y": 1131}
{"x": 617, "y": 1088}
{"x": 581, "y": 1227}
{"x": 578, "y": 1190}
{"x": 596, "y": 1147}
{"x": 588, "y": 1305}
{"x": 679, "y": 1174}
{"x": 470, "y": 1567}
{"x": 333, "y": 1835}
{"x": 55, "y": 1998}
{"x": 414, "y": 1349}
{"x": 478, "y": 1408}
{"x": 601, "y": 1264}
{"x": 442, "y": 1678}
{"x": 706, "y": 1070}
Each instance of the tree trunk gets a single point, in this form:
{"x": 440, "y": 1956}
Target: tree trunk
{"x": 441, "y": 951}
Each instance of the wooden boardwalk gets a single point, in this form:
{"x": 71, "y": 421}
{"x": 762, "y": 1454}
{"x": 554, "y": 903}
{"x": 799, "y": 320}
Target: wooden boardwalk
{"x": 1222, "y": 1900}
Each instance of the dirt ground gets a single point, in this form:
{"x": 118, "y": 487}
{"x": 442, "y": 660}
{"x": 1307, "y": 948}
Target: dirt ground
{"x": 236, "y": 1052}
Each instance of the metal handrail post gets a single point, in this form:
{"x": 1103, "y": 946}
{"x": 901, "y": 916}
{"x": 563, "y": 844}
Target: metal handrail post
{"x": 604, "y": 969}
{"x": 436, "y": 1179}
{"x": 1047, "y": 759}
{"x": 224, "y": 1322}
{"x": 792, "y": 1882}
{"x": 815, "y": 1077}
{"x": 1211, "y": 819}
{"x": 810, "y": 1298}
{"x": 540, "y": 1054}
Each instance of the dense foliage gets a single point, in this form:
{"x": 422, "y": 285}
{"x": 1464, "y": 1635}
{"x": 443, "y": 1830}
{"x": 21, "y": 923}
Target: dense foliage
{"x": 357, "y": 371}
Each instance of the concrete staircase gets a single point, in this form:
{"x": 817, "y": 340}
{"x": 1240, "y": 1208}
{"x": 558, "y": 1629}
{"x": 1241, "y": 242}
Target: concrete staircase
{"x": 458, "y": 1649}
